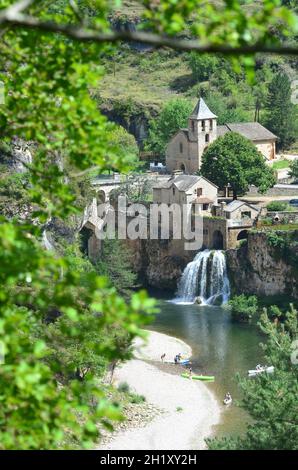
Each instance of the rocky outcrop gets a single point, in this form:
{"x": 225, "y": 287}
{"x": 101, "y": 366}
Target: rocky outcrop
{"x": 264, "y": 269}
{"x": 17, "y": 155}
{"x": 159, "y": 263}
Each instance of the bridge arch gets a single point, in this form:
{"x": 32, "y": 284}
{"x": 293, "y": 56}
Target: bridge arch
{"x": 101, "y": 196}
{"x": 90, "y": 245}
{"x": 217, "y": 240}
{"x": 242, "y": 235}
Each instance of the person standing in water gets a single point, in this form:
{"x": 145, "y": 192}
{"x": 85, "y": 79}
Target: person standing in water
{"x": 162, "y": 357}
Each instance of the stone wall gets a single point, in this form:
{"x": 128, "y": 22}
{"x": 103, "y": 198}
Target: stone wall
{"x": 257, "y": 268}
{"x": 285, "y": 217}
{"x": 267, "y": 148}
{"x": 277, "y": 190}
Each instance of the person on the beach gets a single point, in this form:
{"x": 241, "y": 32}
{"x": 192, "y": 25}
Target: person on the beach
{"x": 162, "y": 357}
{"x": 190, "y": 371}
{"x": 179, "y": 357}
{"x": 176, "y": 360}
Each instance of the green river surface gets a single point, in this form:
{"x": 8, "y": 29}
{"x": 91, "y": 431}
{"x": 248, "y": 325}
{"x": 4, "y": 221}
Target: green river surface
{"x": 220, "y": 348}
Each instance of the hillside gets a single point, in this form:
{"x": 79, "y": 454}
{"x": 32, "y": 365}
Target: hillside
{"x": 139, "y": 81}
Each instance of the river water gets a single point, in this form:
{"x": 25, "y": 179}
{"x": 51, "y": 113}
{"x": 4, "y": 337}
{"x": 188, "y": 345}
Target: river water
{"x": 220, "y": 348}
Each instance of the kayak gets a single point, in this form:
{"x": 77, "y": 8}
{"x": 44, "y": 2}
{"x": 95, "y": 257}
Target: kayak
{"x": 183, "y": 362}
{"x": 206, "y": 378}
{"x": 254, "y": 372}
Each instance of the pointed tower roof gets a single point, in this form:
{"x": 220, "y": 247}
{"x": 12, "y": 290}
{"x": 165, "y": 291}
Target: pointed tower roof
{"x": 202, "y": 111}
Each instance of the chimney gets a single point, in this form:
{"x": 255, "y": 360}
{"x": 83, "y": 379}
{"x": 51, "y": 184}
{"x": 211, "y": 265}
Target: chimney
{"x": 222, "y": 208}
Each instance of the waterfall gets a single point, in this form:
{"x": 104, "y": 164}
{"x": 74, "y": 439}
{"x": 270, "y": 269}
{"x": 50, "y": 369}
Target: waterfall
{"x": 205, "y": 277}
{"x": 46, "y": 242}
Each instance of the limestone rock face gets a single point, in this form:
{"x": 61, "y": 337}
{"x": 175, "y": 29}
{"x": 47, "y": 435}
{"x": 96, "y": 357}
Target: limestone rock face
{"x": 159, "y": 263}
{"x": 17, "y": 156}
{"x": 257, "y": 268}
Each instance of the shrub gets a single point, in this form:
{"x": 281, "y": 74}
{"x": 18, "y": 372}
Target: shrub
{"x": 123, "y": 387}
{"x": 136, "y": 399}
{"x": 276, "y": 206}
{"x": 243, "y": 307}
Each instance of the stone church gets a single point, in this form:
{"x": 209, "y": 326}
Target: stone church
{"x": 185, "y": 149}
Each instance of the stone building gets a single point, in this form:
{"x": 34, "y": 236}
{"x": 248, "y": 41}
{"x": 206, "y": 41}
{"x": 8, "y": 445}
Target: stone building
{"x": 185, "y": 149}
{"x": 187, "y": 189}
{"x": 239, "y": 210}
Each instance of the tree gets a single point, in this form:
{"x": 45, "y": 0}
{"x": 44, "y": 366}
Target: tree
{"x": 173, "y": 116}
{"x": 294, "y": 169}
{"x": 116, "y": 264}
{"x": 243, "y": 307}
{"x": 271, "y": 399}
{"x": 281, "y": 114}
{"x": 234, "y": 160}
{"x": 202, "y": 66}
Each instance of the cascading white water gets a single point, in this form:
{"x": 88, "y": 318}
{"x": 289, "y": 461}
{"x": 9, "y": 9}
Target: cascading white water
{"x": 205, "y": 277}
{"x": 46, "y": 242}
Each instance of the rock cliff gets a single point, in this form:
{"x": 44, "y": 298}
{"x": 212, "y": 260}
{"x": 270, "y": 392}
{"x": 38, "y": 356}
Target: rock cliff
{"x": 265, "y": 267}
{"x": 159, "y": 263}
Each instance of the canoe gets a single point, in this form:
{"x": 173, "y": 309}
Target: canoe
{"x": 254, "y": 372}
{"x": 227, "y": 401}
{"x": 206, "y": 378}
{"x": 182, "y": 362}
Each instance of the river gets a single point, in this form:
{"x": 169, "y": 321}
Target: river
{"x": 220, "y": 348}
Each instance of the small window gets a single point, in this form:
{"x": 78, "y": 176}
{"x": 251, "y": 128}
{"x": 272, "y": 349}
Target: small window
{"x": 192, "y": 126}
{"x": 211, "y": 124}
{"x": 205, "y": 207}
{"x": 203, "y": 125}
{"x": 174, "y": 191}
{"x": 199, "y": 192}
{"x": 181, "y": 147}
{"x": 246, "y": 214}
{"x": 207, "y": 138}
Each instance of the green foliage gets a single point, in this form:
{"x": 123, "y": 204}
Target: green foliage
{"x": 136, "y": 187}
{"x": 225, "y": 114}
{"x": 284, "y": 245}
{"x": 123, "y": 387}
{"x": 271, "y": 399}
{"x": 50, "y": 394}
{"x": 281, "y": 164}
{"x": 276, "y": 206}
{"x": 243, "y": 308}
{"x": 116, "y": 263}
{"x": 281, "y": 113}
{"x": 294, "y": 169}
{"x": 14, "y": 197}
{"x": 173, "y": 116}
{"x": 277, "y": 241}
{"x": 202, "y": 66}
{"x": 233, "y": 159}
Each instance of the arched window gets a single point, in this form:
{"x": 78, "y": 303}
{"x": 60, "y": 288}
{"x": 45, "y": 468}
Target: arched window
{"x": 181, "y": 147}
{"x": 203, "y": 125}
{"x": 207, "y": 138}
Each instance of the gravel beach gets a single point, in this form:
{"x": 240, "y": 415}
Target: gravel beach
{"x": 189, "y": 408}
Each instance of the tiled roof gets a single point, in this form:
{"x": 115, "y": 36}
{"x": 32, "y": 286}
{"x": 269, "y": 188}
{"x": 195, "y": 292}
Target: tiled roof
{"x": 236, "y": 204}
{"x": 201, "y": 111}
{"x": 251, "y": 130}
